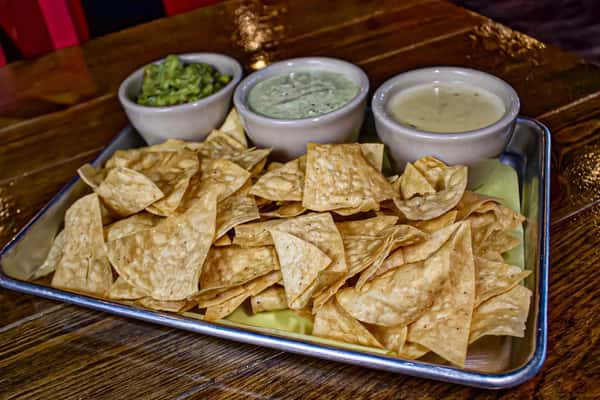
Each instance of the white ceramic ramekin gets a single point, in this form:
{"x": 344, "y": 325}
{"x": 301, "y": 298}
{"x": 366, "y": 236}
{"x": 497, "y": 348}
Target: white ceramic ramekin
{"x": 190, "y": 121}
{"x": 407, "y": 144}
{"x": 288, "y": 137}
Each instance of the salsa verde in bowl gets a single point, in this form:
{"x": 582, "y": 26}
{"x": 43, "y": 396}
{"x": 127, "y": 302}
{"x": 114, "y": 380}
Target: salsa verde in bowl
{"x": 293, "y": 102}
{"x": 198, "y": 113}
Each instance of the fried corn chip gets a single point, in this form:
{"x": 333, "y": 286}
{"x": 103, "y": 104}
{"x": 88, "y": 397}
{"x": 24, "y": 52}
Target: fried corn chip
{"x": 166, "y": 261}
{"x": 433, "y": 205}
{"x": 171, "y": 171}
{"x": 91, "y": 176}
{"x": 394, "y": 260}
{"x": 222, "y": 175}
{"x": 84, "y": 266}
{"x": 412, "y": 351}
{"x": 233, "y": 211}
{"x": 121, "y": 290}
{"x": 224, "y": 240}
{"x": 53, "y": 257}
{"x": 373, "y": 153}
{"x": 271, "y": 299}
{"x": 233, "y": 127}
{"x": 494, "y": 278}
{"x": 432, "y": 169}
{"x": 401, "y": 296}
{"x": 282, "y": 184}
{"x": 421, "y": 251}
{"x": 131, "y": 225}
{"x": 505, "y": 314}
{"x": 496, "y": 244}
{"x": 213, "y": 297}
{"x": 220, "y": 144}
{"x": 252, "y": 288}
{"x": 288, "y": 210}
{"x": 258, "y": 169}
{"x": 369, "y": 226}
{"x": 444, "y": 328}
{"x": 320, "y": 230}
{"x": 255, "y": 234}
{"x": 273, "y": 165}
{"x": 301, "y": 264}
{"x": 174, "y": 306}
{"x": 438, "y": 223}
{"x": 233, "y": 265}
{"x": 333, "y": 322}
{"x": 339, "y": 176}
{"x": 472, "y": 202}
{"x": 126, "y": 191}
{"x": 412, "y": 183}
{"x": 391, "y": 337}
{"x": 251, "y": 159}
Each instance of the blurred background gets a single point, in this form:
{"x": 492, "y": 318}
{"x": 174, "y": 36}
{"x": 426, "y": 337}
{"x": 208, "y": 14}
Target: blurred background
{"x": 29, "y": 28}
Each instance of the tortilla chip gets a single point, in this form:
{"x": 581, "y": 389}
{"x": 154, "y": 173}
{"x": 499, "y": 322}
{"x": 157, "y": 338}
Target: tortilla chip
{"x": 213, "y": 297}
{"x": 320, "y": 231}
{"x": 373, "y": 153}
{"x": 233, "y": 127}
{"x": 288, "y": 210}
{"x": 392, "y": 337}
{"x": 301, "y": 264}
{"x": 91, "y": 176}
{"x": 432, "y": 169}
{"x": 84, "y": 266}
{"x": 273, "y": 165}
{"x": 444, "y": 328}
{"x": 412, "y": 351}
{"x": 172, "y": 145}
{"x": 131, "y": 225}
{"x": 494, "y": 278}
{"x": 169, "y": 170}
{"x": 233, "y": 211}
{"x": 53, "y": 257}
{"x": 338, "y": 176}
{"x": 505, "y": 314}
{"x": 394, "y": 260}
{"x": 224, "y": 240}
{"x": 496, "y": 244}
{"x": 421, "y": 251}
{"x": 271, "y": 299}
{"x": 121, "y": 290}
{"x": 438, "y": 223}
{"x": 220, "y": 144}
{"x": 126, "y": 191}
{"x": 433, "y": 205}
{"x": 282, "y": 184}
{"x": 401, "y": 296}
{"x": 233, "y": 265}
{"x": 252, "y": 288}
{"x": 166, "y": 261}
{"x": 472, "y": 202}
{"x": 333, "y": 322}
{"x": 369, "y": 226}
{"x": 258, "y": 169}
{"x": 412, "y": 183}
{"x": 175, "y": 306}
{"x": 251, "y": 159}
{"x": 255, "y": 234}
{"x": 224, "y": 176}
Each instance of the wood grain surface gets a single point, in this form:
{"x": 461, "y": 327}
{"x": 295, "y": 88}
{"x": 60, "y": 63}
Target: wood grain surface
{"x": 59, "y": 111}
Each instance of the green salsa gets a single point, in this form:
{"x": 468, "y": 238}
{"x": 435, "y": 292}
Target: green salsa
{"x": 171, "y": 82}
{"x": 301, "y": 94}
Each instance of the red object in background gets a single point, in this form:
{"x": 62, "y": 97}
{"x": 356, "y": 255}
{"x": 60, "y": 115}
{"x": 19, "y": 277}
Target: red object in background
{"x": 173, "y": 7}
{"x": 2, "y": 58}
{"x": 40, "y": 26}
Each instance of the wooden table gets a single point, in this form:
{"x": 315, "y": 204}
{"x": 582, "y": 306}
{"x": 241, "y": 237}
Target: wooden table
{"x": 57, "y": 112}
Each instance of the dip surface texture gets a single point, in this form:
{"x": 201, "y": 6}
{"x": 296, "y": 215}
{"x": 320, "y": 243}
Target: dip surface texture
{"x": 446, "y": 108}
{"x": 301, "y": 94}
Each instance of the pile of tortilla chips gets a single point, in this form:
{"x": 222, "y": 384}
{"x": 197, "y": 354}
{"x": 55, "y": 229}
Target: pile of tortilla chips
{"x": 411, "y": 263}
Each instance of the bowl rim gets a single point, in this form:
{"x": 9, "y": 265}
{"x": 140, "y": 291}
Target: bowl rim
{"x": 138, "y": 74}
{"x": 379, "y": 102}
{"x": 294, "y": 63}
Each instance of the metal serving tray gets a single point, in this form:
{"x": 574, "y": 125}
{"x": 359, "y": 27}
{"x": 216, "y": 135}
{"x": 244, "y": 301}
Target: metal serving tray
{"x": 499, "y": 362}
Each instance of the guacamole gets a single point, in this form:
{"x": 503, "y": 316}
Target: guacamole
{"x": 172, "y": 82}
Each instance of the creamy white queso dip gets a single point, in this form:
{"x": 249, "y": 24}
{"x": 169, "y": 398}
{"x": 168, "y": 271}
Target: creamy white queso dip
{"x": 445, "y": 108}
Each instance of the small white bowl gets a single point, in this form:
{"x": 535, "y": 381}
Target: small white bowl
{"x": 190, "y": 121}
{"x": 288, "y": 137}
{"x": 407, "y": 144}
